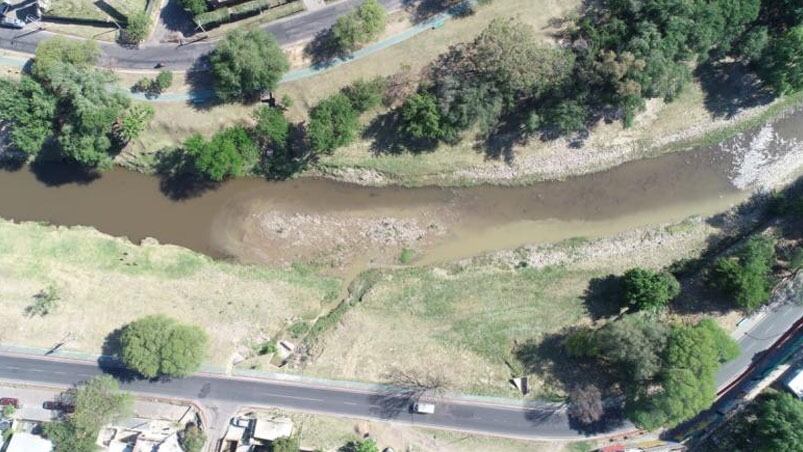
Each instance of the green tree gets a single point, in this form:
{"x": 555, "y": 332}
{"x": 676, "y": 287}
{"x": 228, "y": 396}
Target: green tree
{"x": 272, "y": 128}
{"x": 285, "y": 444}
{"x": 137, "y": 28}
{"x": 566, "y": 117}
{"x": 692, "y": 357}
{"x": 133, "y": 122}
{"x": 30, "y": 110}
{"x": 771, "y": 423}
{"x": 333, "y": 123}
{"x": 55, "y": 52}
{"x": 194, "y": 6}
{"x": 634, "y": 346}
{"x": 230, "y": 153}
{"x": 421, "y": 116}
{"x": 192, "y": 438}
{"x": 159, "y": 346}
{"x": 781, "y": 65}
{"x": 97, "y": 402}
{"x": 245, "y": 64}
{"x": 367, "y": 445}
{"x": 365, "y": 94}
{"x": 354, "y": 29}
{"x": 747, "y": 275}
{"x": 649, "y": 290}
{"x": 163, "y": 81}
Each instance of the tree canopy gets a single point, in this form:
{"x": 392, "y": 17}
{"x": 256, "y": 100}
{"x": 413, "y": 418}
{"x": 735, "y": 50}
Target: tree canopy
{"x": 781, "y": 64}
{"x": 97, "y": 402}
{"x": 692, "y": 356}
{"x": 333, "y": 123}
{"x": 747, "y": 275}
{"x": 159, "y": 346}
{"x": 246, "y": 64}
{"x": 229, "y": 153}
{"x": 772, "y": 422}
{"x": 362, "y": 25}
{"x": 645, "y": 289}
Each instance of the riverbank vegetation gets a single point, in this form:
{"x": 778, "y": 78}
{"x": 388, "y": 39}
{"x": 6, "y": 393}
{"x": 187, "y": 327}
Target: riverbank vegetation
{"x": 236, "y": 305}
{"x": 66, "y": 109}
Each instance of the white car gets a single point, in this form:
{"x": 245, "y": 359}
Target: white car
{"x": 424, "y": 408}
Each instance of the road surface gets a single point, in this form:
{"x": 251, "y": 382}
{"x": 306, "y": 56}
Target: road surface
{"x": 295, "y": 28}
{"x": 776, "y": 321}
{"x": 538, "y": 421}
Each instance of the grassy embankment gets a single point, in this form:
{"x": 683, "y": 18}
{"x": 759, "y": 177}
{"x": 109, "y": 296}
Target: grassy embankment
{"x": 104, "y": 282}
{"x": 460, "y": 323}
{"x": 690, "y": 120}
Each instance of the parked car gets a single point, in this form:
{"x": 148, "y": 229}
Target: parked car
{"x": 4, "y": 8}
{"x": 11, "y": 22}
{"x": 423, "y": 408}
{"x": 58, "y": 406}
{"x": 10, "y": 401}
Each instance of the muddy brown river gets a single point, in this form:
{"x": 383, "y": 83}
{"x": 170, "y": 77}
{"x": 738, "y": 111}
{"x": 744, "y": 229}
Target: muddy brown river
{"x": 256, "y": 220}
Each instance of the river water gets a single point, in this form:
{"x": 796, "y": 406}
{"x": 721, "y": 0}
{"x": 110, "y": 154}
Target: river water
{"x": 229, "y": 221}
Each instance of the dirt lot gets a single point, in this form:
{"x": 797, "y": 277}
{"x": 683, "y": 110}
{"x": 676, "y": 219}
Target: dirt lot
{"x": 104, "y": 282}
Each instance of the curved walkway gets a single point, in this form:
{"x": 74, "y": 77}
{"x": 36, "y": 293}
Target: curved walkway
{"x": 287, "y": 31}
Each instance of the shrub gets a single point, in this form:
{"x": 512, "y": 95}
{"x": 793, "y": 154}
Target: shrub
{"x": 406, "y": 256}
{"x": 194, "y": 6}
{"x": 192, "y": 438}
{"x": 267, "y": 348}
{"x": 360, "y": 26}
{"x": 137, "y": 28}
{"x": 333, "y": 123}
{"x": 133, "y": 122}
{"x": 365, "y": 94}
{"x": 44, "y": 302}
{"x": 272, "y": 128}
{"x": 159, "y": 346}
{"x": 230, "y": 153}
{"x": 585, "y": 404}
{"x": 299, "y": 329}
{"x": 781, "y": 64}
{"x": 421, "y": 117}
{"x": 285, "y": 444}
{"x": 163, "y": 81}
{"x": 747, "y": 276}
{"x": 649, "y": 290}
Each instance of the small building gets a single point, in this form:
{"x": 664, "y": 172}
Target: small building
{"x": 28, "y": 442}
{"x": 794, "y": 383}
{"x": 272, "y": 429}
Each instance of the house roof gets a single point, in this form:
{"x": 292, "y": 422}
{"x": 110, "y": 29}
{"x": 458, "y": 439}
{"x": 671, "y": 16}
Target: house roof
{"x": 26, "y": 442}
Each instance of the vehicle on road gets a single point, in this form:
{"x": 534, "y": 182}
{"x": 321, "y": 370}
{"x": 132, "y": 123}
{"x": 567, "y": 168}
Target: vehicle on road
{"x": 9, "y": 401}
{"x": 423, "y": 408}
{"x": 58, "y": 406}
{"x": 11, "y": 22}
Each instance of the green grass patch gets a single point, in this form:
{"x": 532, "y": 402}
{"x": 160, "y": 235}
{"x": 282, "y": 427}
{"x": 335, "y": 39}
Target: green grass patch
{"x": 406, "y": 256}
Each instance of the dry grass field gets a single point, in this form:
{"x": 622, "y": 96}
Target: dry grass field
{"x": 104, "y": 282}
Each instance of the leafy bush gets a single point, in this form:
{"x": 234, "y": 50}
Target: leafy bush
{"x": 137, "y": 28}
{"x": 333, "y": 123}
{"x": 133, "y": 122}
{"x": 30, "y": 110}
{"x": 781, "y": 64}
{"x": 406, "y": 256}
{"x": 365, "y": 94}
{"x": 230, "y": 153}
{"x": 299, "y": 329}
{"x": 267, "y": 348}
{"x": 196, "y": 7}
{"x": 285, "y": 444}
{"x": 159, "y": 346}
{"x": 747, "y": 276}
{"x": 192, "y": 438}
{"x": 272, "y": 128}
{"x": 421, "y": 117}
{"x": 163, "y": 81}
{"x": 360, "y": 26}
{"x": 649, "y": 290}
{"x": 585, "y": 404}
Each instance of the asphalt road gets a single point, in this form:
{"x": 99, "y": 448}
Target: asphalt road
{"x": 761, "y": 336}
{"x": 542, "y": 421}
{"x": 291, "y": 30}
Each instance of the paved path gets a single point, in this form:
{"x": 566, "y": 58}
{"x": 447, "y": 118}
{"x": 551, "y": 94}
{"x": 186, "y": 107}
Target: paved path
{"x": 291, "y": 30}
{"x": 535, "y": 421}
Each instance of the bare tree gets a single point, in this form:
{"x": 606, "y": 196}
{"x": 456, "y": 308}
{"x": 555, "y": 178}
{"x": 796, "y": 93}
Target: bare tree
{"x": 585, "y": 404}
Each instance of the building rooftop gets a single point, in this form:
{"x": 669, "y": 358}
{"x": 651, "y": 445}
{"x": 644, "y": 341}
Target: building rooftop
{"x": 27, "y": 442}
